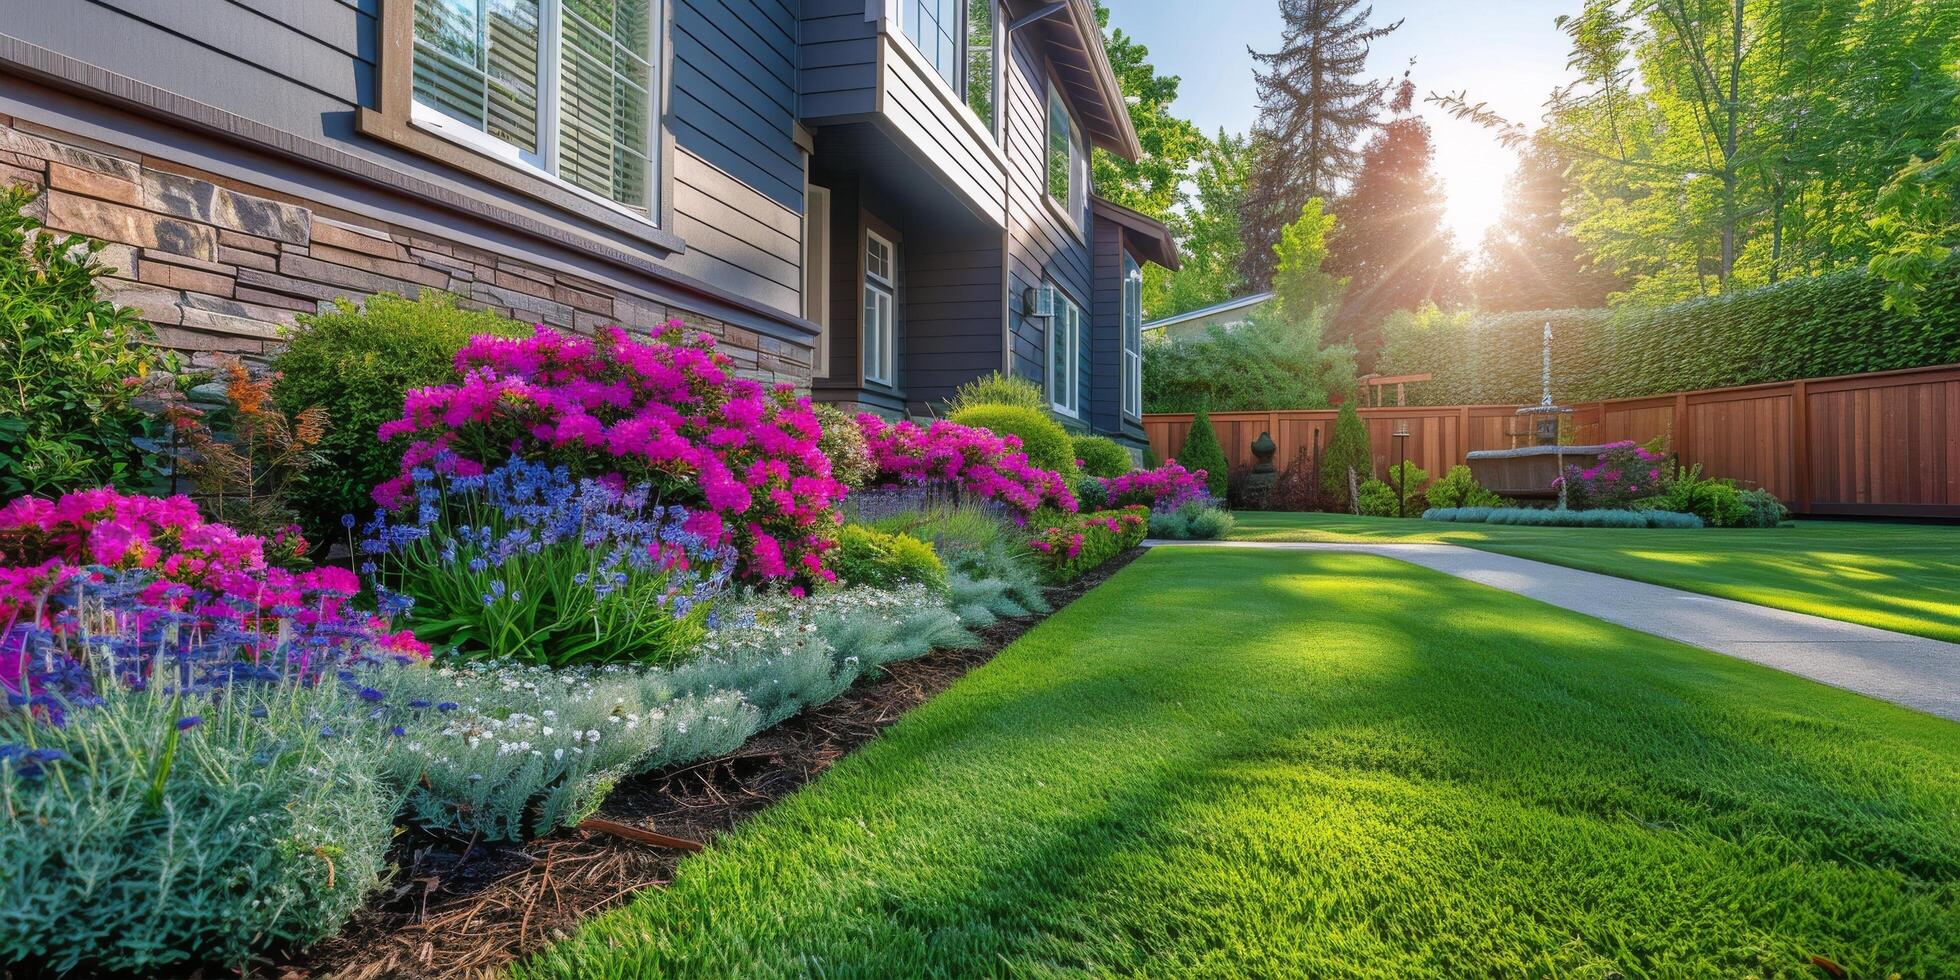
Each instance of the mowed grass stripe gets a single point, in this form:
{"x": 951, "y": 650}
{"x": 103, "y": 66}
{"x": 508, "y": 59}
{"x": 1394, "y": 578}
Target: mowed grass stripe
{"x": 1901, "y": 577}
{"x": 1256, "y": 763}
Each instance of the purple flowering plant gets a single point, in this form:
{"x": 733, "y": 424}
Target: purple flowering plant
{"x": 526, "y": 562}
{"x": 1163, "y": 490}
{"x": 1623, "y": 473}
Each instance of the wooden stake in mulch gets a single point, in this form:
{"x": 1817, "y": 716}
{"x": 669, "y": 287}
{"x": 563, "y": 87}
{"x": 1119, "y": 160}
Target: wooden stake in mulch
{"x": 632, "y": 833}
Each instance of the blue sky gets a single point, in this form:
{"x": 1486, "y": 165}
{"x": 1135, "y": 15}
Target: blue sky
{"x": 1505, "y": 51}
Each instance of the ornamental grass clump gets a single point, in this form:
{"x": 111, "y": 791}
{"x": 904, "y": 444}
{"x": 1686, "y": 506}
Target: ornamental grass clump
{"x": 668, "y": 412}
{"x": 974, "y": 461}
{"x": 527, "y": 563}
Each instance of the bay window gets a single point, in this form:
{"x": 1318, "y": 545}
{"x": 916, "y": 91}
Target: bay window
{"x": 958, "y": 39}
{"x": 566, "y": 87}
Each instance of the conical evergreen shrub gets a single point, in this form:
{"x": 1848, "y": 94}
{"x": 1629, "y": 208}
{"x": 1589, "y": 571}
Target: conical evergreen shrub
{"x": 1348, "y": 449}
{"x": 1202, "y": 452}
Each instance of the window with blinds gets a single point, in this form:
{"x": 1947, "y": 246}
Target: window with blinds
{"x": 565, "y": 86}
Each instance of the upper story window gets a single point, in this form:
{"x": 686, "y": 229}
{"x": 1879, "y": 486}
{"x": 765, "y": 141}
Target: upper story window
{"x": 563, "y": 86}
{"x": 958, "y": 38}
{"x": 1068, "y": 165}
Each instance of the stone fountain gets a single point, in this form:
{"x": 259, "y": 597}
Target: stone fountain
{"x": 1532, "y": 472}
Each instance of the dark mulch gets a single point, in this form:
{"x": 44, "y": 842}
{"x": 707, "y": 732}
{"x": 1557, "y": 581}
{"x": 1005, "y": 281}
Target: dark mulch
{"x": 458, "y": 909}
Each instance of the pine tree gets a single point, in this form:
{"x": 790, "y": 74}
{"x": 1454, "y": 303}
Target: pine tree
{"x": 1347, "y": 450}
{"x": 1531, "y": 261}
{"x": 1314, "y": 105}
{"x": 1202, "y": 452}
{"x": 1392, "y": 246}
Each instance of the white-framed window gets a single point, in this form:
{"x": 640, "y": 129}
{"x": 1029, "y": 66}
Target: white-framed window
{"x": 1065, "y": 356}
{"x": 565, "y": 87}
{"x": 1132, "y": 337}
{"x": 960, "y": 40}
{"x": 880, "y": 309}
{"x": 816, "y": 273}
{"x": 1068, "y": 163}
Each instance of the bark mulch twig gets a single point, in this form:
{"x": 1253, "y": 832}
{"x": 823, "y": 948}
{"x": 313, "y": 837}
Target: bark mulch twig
{"x": 459, "y": 908}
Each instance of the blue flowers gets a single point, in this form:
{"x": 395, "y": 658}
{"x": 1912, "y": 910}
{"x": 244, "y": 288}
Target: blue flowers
{"x": 28, "y": 762}
{"x": 187, "y": 723}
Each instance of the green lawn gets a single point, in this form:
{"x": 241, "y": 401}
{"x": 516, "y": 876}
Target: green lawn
{"x": 1903, "y": 577}
{"x": 1236, "y": 763}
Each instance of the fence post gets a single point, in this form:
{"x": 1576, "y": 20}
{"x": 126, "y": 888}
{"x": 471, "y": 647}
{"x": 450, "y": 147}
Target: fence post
{"x": 1681, "y": 429}
{"x": 1800, "y": 451}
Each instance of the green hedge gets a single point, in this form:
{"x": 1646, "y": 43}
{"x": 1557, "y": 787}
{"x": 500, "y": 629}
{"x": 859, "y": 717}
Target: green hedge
{"x": 1802, "y": 328}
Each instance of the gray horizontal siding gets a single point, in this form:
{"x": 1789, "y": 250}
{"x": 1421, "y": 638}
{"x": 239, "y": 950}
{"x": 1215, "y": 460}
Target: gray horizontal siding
{"x": 1042, "y": 247}
{"x": 305, "y": 66}
{"x": 837, "y": 67}
{"x": 953, "y": 315}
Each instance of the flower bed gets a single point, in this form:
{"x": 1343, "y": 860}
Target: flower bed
{"x": 601, "y": 556}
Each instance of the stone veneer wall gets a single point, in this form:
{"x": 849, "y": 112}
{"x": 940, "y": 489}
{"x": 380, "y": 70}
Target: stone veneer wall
{"x": 220, "y": 268}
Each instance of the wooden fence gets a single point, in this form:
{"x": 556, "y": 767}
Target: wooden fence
{"x": 1885, "y": 444}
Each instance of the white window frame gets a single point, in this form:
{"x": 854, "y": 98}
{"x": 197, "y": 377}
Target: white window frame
{"x": 1132, "y": 336}
{"x": 1077, "y": 206}
{"x": 895, "y": 14}
{"x": 544, "y": 164}
{"x": 878, "y": 343}
{"x": 816, "y": 273}
{"x": 1065, "y": 334}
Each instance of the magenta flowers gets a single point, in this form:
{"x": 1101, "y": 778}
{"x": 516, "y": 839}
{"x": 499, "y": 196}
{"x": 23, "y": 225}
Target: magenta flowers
{"x": 1624, "y": 473}
{"x": 667, "y": 411}
{"x": 1165, "y": 488}
{"x": 975, "y": 460}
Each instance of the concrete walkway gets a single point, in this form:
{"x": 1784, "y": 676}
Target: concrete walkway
{"x": 1913, "y": 671}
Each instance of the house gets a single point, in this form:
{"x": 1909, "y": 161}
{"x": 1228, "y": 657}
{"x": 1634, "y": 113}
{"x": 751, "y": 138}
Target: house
{"x": 1196, "y": 323}
{"x": 876, "y": 200}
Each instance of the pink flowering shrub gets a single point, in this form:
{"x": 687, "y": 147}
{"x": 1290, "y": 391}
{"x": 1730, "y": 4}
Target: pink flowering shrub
{"x": 668, "y": 412}
{"x": 1067, "y": 546}
{"x": 1163, "y": 489}
{"x": 977, "y": 461}
{"x": 1624, "y": 472}
{"x": 150, "y": 562}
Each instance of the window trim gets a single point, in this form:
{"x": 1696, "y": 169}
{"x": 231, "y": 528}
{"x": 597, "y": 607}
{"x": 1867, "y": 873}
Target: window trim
{"x": 1073, "y": 213}
{"x": 393, "y": 122}
{"x": 956, "y": 97}
{"x": 1064, "y": 300}
{"x": 1132, "y": 312}
{"x": 816, "y": 274}
{"x": 887, "y": 287}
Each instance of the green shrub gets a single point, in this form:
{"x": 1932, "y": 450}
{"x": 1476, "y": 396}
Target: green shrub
{"x": 152, "y": 850}
{"x": 1761, "y": 509}
{"x": 357, "y": 362}
{"x": 998, "y": 389}
{"x": 1800, "y": 328}
{"x": 1347, "y": 450}
{"x": 1066, "y": 547}
{"x": 1273, "y": 361}
{"x": 1091, "y": 493}
{"x": 1046, "y": 442}
{"x": 866, "y": 556}
{"x": 1717, "y": 502}
{"x": 1543, "y": 517}
{"x": 1458, "y": 515}
{"x": 1101, "y": 456}
{"x": 1458, "y": 488}
{"x": 843, "y": 443}
{"x": 68, "y": 418}
{"x": 1202, "y": 452}
{"x": 1192, "y": 522}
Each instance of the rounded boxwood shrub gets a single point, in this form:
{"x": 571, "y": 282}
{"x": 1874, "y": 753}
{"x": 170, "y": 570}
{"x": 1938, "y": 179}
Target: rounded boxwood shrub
{"x": 1044, "y": 440}
{"x": 1202, "y": 452}
{"x": 867, "y": 556}
{"x": 998, "y": 389}
{"x": 1101, "y": 456}
{"x": 357, "y": 361}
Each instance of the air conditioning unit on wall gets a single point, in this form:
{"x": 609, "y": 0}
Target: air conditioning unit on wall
{"x": 1040, "y": 302}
